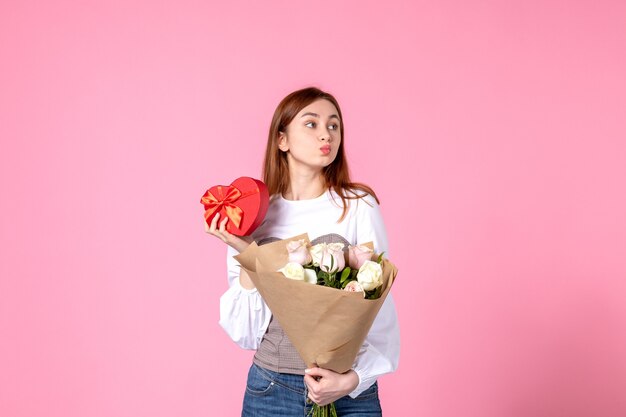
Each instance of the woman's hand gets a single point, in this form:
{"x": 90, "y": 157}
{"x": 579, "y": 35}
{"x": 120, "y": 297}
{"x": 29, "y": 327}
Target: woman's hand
{"x": 326, "y": 386}
{"x": 236, "y": 242}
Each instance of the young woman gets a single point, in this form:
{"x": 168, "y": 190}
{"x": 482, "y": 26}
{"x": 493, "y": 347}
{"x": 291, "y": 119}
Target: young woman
{"x": 306, "y": 172}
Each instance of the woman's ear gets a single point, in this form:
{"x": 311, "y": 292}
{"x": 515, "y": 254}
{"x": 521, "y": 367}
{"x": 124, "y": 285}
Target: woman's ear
{"x": 282, "y": 142}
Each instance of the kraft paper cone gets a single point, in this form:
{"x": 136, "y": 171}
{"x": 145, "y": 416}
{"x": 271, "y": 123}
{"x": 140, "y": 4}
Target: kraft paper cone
{"x": 327, "y": 326}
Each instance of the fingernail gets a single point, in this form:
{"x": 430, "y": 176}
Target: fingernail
{"x": 306, "y": 371}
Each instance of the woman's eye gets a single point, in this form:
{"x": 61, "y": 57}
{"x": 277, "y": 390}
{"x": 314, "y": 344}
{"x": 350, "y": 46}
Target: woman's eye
{"x": 333, "y": 127}
{"x": 310, "y": 124}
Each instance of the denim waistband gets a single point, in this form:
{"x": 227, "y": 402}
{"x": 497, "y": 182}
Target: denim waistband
{"x": 292, "y": 382}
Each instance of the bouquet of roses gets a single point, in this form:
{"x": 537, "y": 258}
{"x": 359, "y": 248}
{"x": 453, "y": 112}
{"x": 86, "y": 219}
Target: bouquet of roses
{"x": 325, "y": 264}
{"x": 327, "y": 323}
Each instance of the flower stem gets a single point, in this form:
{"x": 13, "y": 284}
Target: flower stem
{"x": 327, "y": 410}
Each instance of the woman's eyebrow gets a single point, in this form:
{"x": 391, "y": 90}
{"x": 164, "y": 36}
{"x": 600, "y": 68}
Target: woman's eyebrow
{"x": 318, "y": 116}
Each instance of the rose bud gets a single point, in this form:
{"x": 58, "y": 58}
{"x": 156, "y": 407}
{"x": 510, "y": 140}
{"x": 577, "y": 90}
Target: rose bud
{"x": 354, "y": 286}
{"x": 370, "y": 275}
{"x": 298, "y": 252}
{"x": 357, "y": 255}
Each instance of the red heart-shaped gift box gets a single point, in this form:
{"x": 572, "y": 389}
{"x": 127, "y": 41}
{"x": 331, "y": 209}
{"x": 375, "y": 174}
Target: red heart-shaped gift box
{"x": 245, "y": 202}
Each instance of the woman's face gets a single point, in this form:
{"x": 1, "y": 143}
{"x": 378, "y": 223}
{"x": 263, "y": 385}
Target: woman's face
{"x": 313, "y": 137}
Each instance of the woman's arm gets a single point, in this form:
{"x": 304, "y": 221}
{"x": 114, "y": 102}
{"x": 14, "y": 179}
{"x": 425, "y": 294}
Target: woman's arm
{"x": 219, "y": 230}
{"x": 325, "y": 386}
{"x": 380, "y": 352}
{"x": 243, "y": 313}
{"x": 379, "y": 355}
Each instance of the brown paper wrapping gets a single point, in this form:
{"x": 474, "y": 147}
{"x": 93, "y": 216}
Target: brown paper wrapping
{"x": 327, "y": 326}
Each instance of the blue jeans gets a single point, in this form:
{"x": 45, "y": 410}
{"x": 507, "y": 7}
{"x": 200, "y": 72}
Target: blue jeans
{"x": 272, "y": 394}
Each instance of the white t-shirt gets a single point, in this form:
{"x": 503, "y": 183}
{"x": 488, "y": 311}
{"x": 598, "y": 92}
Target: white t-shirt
{"x": 245, "y": 316}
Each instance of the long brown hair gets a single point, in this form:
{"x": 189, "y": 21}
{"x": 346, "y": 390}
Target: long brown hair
{"x": 276, "y": 168}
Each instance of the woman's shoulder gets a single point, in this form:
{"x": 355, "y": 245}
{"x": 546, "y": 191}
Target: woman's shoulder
{"x": 361, "y": 196}
{"x": 363, "y": 206}
{"x": 358, "y": 201}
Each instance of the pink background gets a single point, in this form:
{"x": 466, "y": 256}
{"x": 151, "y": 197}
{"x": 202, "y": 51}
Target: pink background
{"x": 494, "y": 133}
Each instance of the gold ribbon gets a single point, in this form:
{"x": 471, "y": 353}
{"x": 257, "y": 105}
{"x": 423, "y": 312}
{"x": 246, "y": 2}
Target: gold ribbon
{"x": 225, "y": 198}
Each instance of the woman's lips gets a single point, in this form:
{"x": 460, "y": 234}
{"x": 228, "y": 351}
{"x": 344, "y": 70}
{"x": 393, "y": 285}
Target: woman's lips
{"x": 325, "y": 149}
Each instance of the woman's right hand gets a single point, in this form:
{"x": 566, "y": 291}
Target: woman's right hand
{"x": 236, "y": 242}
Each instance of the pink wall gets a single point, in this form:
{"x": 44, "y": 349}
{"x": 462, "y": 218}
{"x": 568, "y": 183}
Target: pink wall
{"x": 494, "y": 133}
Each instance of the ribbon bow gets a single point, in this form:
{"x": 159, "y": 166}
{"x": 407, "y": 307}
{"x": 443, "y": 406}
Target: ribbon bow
{"x": 225, "y": 198}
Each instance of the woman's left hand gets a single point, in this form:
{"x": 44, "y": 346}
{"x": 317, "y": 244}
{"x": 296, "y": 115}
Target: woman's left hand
{"x": 326, "y": 386}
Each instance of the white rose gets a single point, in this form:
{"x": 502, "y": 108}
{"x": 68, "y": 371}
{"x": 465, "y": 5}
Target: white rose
{"x": 370, "y": 275}
{"x": 310, "y": 276}
{"x": 316, "y": 253}
{"x": 293, "y": 270}
{"x": 326, "y": 254}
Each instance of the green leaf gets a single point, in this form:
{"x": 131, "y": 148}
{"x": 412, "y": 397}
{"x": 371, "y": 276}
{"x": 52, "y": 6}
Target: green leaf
{"x": 380, "y": 257}
{"x": 346, "y": 282}
{"x": 345, "y": 274}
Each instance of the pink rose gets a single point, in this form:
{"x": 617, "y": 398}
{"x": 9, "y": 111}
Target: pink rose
{"x": 354, "y": 286}
{"x": 357, "y": 255}
{"x": 298, "y": 252}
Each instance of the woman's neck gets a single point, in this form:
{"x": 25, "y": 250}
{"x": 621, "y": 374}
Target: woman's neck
{"x": 305, "y": 185}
